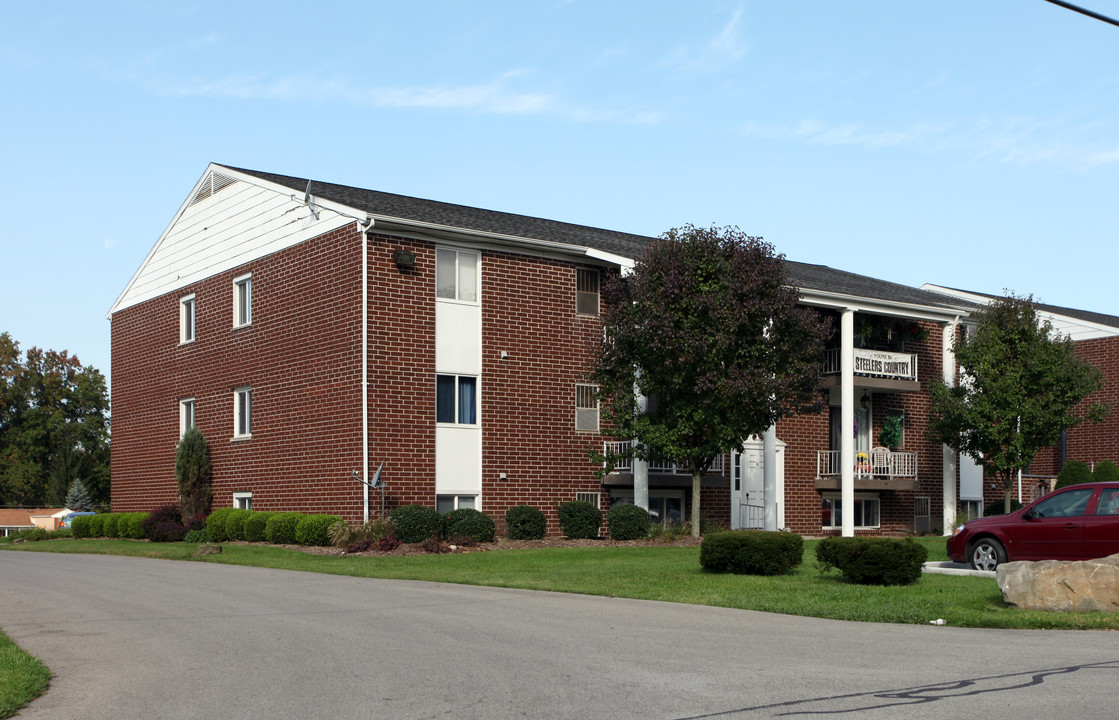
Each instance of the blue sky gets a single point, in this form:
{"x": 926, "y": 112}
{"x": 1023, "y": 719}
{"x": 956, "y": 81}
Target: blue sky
{"x": 969, "y": 144}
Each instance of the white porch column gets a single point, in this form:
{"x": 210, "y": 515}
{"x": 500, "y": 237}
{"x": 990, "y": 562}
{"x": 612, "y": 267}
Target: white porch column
{"x": 948, "y": 370}
{"x": 769, "y": 476}
{"x": 640, "y": 467}
{"x": 847, "y": 420}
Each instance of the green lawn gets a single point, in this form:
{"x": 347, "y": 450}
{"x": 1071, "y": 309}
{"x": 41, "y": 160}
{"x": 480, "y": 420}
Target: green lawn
{"x": 665, "y": 573}
{"x": 22, "y": 677}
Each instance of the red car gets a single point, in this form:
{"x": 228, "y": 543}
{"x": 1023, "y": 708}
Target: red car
{"x": 1078, "y": 522}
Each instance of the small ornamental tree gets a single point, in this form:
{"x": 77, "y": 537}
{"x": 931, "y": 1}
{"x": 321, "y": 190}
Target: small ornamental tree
{"x": 77, "y": 497}
{"x": 708, "y": 329}
{"x": 1020, "y": 385}
{"x": 192, "y": 468}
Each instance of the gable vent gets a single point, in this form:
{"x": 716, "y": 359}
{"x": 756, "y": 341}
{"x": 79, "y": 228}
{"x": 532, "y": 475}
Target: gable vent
{"x": 212, "y": 185}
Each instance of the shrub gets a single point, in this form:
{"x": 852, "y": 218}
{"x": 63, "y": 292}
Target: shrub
{"x": 387, "y": 544}
{"x": 628, "y": 522}
{"x": 524, "y": 522}
{"x": 131, "y": 525}
{"x": 435, "y": 545}
{"x": 751, "y": 552}
{"x": 995, "y": 508}
{"x": 342, "y": 534}
{"x": 193, "y": 472}
{"x": 159, "y": 521}
{"x": 873, "y": 560}
{"x": 415, "y": 523}
{"x": 280, "y": 528}
{"x": 80, "y": 526}
{"x": 96, "y": 525}
{"x": 109, "y": 525}
{"x": 215, "y": 524}
{"x": 1073, "y": 473}
{"x": 470, "y": 523}
{"x": 1106, "y": 471}
{"x": 315, "y": 529}
{"x": 197, "y": 536}
{"x": 235, "y": 524}
{"x": 579, "y": 519}
{"x": 254, "y": 526}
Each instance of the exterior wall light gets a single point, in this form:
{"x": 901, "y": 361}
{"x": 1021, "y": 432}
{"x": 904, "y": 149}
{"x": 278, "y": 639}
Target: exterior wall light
{"x": 404, "y": 260}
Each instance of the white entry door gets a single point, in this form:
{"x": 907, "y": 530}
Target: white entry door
{"x": 747, "y": 488}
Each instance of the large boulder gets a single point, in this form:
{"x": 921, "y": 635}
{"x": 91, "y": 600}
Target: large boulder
{"x": 1069, "y": 586}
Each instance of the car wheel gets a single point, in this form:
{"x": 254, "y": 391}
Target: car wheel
{"x": 986, "y": 554}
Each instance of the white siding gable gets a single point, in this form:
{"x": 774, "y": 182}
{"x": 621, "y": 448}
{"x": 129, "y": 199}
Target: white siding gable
{"x": 223, "y": 225}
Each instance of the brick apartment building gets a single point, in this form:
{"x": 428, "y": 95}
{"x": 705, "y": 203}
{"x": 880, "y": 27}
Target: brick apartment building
{"x": 317, "y": 332}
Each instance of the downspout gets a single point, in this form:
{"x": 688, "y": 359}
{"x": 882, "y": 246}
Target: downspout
{"x": 365, "y": 227}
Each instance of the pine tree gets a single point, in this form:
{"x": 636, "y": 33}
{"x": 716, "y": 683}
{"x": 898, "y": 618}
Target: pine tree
{"x": 77, "y": 498}
{"x": 192, "y": 468}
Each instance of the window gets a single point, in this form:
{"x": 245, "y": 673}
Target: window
{"x": 666, "y": 507}
{"x": 970, "y": 509}
{"x": 446, "y": 503}
{"x": 586, "y": 292}
{"x": 866, "y": 510}
{"x": 243, "y": 412}
{"x": 586, "y": 408}
{"x": 186, "y": 415}
{"x": 456, "y": 399}
{"x": 456, "y": 275}
{"x": 243, "y": 500}
{"x": 242, "y": 301}
{"x": 1067, "y": 504}
{"x": 186, "y": 319}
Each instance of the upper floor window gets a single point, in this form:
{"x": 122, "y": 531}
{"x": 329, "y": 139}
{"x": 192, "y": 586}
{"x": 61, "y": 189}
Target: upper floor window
{"x": 586, "y": 408}
{"x": 586, "y": 292}
{"x": 456, "y": 399}
{"x": 186, "y": 415}
{"x": 243, "y": 412}
{"x": 242, "y": 300}
{"x": 186, "y": 319}
{"x": 456, "y": 275}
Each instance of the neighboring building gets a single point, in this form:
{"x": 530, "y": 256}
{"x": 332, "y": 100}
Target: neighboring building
{"x": 49, "y": 518}
{"x": 1096, "y": 338}
{"x": 13, "y": 521}
{"x": 315, "y": 331}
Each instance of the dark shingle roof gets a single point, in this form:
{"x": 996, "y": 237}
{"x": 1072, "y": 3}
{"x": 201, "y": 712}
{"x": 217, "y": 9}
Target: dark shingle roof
{"x": 802, "y": 275}
{"x": 1087, "y": 316}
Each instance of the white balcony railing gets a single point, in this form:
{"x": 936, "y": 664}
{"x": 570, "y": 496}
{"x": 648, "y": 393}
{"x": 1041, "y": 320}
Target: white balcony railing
{"x": 617, "y": 446}
{"x": 875, "y": 363}
{"x": 890, "y": 465}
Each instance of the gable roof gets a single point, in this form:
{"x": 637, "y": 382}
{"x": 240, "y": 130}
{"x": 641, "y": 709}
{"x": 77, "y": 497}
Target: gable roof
{"x": 1077, "y": 324}
{"x": 15, "y": 518}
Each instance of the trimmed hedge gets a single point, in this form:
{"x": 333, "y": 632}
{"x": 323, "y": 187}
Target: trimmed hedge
{"x": 873, "y": 560}
{"x": 579, "y": 519}
{"x": 255, "y": 525}
{"x": 215, "y": 524}
{"x": 415, "y": 523}
{"x": 235, "y": 524}
{"x": 96, "y": 525}
{"x": 627, "y": 522}
{"x": 315, "y": 529}
{"x": 280, "y": 528}
{"x": 80, "y": 526}
{"x": 524, "y": 522}
{"x": 131, "y": 525}
{"x": 995, "y": 507}
{"x": 467, "y": 522}
{"x": 1106, "y": 471}
{"x": 751, "y": 552}
{"x": 1073, "y": 473}
{"x": 109, "y": 525}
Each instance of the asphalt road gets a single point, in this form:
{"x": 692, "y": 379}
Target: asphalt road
{"x": 138, "y": 638}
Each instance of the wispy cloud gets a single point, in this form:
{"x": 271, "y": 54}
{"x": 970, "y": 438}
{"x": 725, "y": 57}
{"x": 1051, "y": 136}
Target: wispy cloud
{"x": 1012, "y": 140}
{"x": 726, "y": 47}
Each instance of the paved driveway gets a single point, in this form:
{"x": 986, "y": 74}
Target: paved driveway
{"x": 132, "y": 638}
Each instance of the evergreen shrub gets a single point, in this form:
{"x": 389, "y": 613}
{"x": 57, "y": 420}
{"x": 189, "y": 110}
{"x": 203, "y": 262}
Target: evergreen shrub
{"x": 235, "y": 524}
{"x": 1073, "y": 473}
{"x": 579, "y": 519}
{"x": 995, "y": 507}
{"x": 96, "y": 525}
{"x": 627, "y": 522}
{"x": 873, "y": 560}
{"x": 1106, "y": 471}
{"x": 80, "y": 526}
{"x": 280, "y": 528}
{"x": 469, "y": 523}
{"x": 751, "y": 552}
{"x": 314, "y": 530}
{"x": 215, "y": 524}
{"x": 197, "y": 536}
{"x": 109, "y": 525}
{"x": 524, "y": 522}
{"x": 255, "y": 525}
{"x": 415, "y": 523}
{"x": 131, "y": 525}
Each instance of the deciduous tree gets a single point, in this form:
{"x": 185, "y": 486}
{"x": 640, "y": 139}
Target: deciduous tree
{"x": 708, "y": 329}
{"x": 1019, "y": 386}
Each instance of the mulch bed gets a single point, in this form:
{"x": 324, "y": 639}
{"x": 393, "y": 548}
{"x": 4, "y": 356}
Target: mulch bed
{"x": 501, "y": 544}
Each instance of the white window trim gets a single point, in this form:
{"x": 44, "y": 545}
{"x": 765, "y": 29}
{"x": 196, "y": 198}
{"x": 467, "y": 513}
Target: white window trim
{"x": 457, "y": 497}
{"x": 580, "y": 272}
{"x": 858, "y": 496}
{"x": 477, "y": 276}
{"x": 187, "y": 407}
{"x": 237, "y": 434}
{"x": 188, "y": 309}
{"x": 246, "y": 280}
{"x": 477, "y": 400}
{"x": 243, "y": 500}
{"x": 586, "y": 412}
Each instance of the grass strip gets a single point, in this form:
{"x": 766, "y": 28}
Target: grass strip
{"x": 22, "y": 677}
{"x": 670, "y": 574}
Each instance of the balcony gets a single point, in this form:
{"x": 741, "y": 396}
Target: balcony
{"x": 876, "y": 470}
{"x": 875, "y": 369}
{"x": 660, "y": 468}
